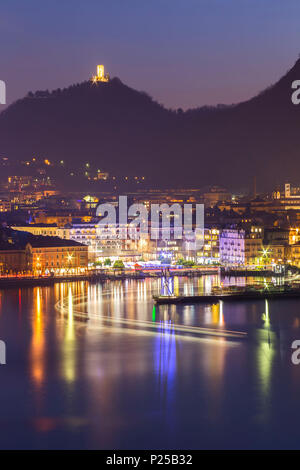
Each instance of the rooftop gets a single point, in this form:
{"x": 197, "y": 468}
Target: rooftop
{"x": 17, "y": 240}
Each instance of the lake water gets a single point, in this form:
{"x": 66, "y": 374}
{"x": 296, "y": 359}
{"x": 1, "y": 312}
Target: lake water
{"x": 98, "y": 366}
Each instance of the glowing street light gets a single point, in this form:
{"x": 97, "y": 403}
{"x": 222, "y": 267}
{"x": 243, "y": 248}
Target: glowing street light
{"x": 265, "y": 252}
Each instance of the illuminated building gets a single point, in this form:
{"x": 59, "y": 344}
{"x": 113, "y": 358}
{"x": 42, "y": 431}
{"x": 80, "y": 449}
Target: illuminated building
{"x": 167, "y": 249}
{"x": 90, "y": 202}
{"x": 90, "y": 234}
{"x": 45, "y": 255}
{"x": 293, "y": 254}
{"x": 276, "y": 244}
{"x": 19, "y": 182}
{"x": 23, "y": 252}
{"x": 241, "y": 247}
{"x": 103, "y": 244}
{"x": 12, "y": 260}
{"x": 102, "y": 175}
{"x": 294, "y": 235}
{"x": 101, "y": 76}
{"x": 40, "y": 182}
{"x": 286, "y": 197}
{"x": 288, "y": 192}
{"x": 98, "y": 176}
{"x": 210, "y": 252}
{"x": 60, "y": 219}
{"x": 5, "y": 206}
{"x": 51, "y": 230}
{"x": 276, "y": 252}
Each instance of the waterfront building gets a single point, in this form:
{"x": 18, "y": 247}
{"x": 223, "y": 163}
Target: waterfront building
{"x": 101, "y": 244}
{"x": 241, "y": 246}
{"x": 210, "y": 251}
{"x": 12, "y": 259}
{"x": 46, "y": 255}
{"x": 109, "y": 243}
{"x": 294, "y": 254}
{"x": 277, "y": 245}
{"x": 24, "y": 252}
{"x": 166, "y": 249}
{"x": 277, "y": 252}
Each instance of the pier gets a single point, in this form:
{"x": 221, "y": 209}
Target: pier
{"x": 228, "y": 296}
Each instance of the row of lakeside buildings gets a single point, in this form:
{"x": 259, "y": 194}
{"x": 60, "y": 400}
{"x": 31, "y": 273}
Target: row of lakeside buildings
{"x": 47, "y": 248}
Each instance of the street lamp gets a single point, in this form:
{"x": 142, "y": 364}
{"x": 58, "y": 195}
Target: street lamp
{"x": 70, "y": 257}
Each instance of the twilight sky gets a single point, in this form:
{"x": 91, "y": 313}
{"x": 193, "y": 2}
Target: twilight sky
{"x": 184, "y": 53}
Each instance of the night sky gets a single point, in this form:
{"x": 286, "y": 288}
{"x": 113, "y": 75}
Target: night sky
{"x": 185, "y": 53}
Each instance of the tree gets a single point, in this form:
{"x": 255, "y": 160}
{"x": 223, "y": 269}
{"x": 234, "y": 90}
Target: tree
{"x": 118, "y": 264}
{"x": 185, "y": 262}
{"x": 189, "y": 263}
{"x": 107, "y": 262}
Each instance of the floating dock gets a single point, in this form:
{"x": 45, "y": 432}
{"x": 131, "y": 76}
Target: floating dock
{"x": 234, "y": 296}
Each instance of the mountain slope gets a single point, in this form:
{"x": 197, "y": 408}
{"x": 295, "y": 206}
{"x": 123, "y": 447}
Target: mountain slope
{"x": 125, "y": 132}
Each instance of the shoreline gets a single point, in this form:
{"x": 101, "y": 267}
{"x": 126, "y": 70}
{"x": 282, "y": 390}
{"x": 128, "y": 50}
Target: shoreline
{"x": 95, "y": 277}
{"x": 34, "y": 281}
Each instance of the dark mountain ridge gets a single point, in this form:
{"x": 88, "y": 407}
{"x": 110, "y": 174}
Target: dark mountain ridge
{"x": 125, "y": 131}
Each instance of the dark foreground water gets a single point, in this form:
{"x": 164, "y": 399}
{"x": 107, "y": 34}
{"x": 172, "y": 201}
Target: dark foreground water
{"x": 97, "y": 366}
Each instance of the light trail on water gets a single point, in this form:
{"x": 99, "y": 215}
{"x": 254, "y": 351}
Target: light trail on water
{"x": 82, "y": 302}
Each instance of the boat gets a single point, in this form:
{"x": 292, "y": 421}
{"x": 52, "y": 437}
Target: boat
{"x": 249, "y": 293}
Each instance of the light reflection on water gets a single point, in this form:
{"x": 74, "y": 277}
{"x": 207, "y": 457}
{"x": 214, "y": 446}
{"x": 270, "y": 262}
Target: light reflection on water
{"x": 84, "y": 381}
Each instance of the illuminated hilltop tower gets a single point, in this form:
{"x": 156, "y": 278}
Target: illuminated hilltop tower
{"x": 101, "y": 76}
